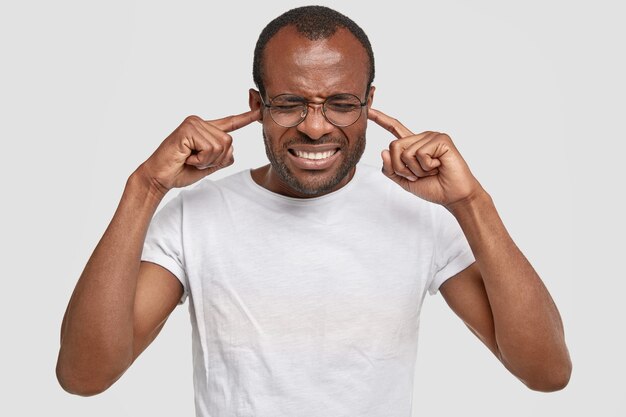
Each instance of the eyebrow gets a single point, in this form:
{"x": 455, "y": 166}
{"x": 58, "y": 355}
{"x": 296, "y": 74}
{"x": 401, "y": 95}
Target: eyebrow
{"x": 343, "y": 95}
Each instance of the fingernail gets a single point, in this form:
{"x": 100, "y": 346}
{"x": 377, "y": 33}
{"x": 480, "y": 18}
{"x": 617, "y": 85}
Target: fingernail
{"x": 411, "y": 178}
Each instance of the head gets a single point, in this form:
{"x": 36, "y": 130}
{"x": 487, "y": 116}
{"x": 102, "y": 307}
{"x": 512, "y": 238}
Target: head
{"x": 314, "y": 53}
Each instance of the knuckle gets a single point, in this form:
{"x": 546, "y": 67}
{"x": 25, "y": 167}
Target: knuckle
{"x": 401, "y": 167}
{"x": 192, "y": 119}
{"x": 441, "y": 137}
{"x": 206, "y": 152}
{"x": 406, "y": 155}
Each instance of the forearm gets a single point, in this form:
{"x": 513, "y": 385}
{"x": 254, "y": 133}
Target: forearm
{"x": 97, "y": 330}
{"x": 528, "y": 327}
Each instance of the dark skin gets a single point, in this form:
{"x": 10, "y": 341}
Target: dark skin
{"x": 314, "y": 71}
{"x": 120, "y": 304}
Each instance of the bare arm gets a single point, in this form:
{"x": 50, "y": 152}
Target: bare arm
{"x": 501, "y": 298}
{"x": 120, "y": 304}
{"x": 98, "y": 340}
{"x": 504, "y": 302}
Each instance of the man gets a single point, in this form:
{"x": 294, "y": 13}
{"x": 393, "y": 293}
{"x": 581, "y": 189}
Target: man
{"x": 306, "y": 276}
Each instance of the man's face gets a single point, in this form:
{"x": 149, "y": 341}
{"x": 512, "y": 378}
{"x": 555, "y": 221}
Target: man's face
{"x": 314, "y": 70}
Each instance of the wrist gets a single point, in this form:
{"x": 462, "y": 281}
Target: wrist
{"x": 143, "y": 184}
{"x": 471, "y": 205}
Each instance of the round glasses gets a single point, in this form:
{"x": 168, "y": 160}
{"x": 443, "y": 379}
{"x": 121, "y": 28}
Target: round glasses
{"x": 341, "y": 110}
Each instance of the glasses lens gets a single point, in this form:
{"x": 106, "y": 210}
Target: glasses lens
{"x": 288, "y": 110}
{"x": 343, "y": 110}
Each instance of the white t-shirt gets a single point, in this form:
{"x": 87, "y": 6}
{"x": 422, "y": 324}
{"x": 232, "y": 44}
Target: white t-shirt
{"x": 305, "y": 307}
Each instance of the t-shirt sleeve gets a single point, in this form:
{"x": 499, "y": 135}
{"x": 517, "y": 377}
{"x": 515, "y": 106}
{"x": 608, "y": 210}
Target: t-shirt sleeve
{"x": 163, "y": 245}
{"x": 452, "y": 252}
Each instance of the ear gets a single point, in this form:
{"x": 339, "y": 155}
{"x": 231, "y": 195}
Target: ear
{"x": 254, "y": 101}
{"x": 370, "y": 96}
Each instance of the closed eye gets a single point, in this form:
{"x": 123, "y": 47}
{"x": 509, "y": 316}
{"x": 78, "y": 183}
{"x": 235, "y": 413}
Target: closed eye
{"x": 288, "y": 108}
{"x": 342, "y": 107}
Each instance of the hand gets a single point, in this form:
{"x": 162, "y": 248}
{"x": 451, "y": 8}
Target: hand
{"x": 194, "y": 150}
{"x": 427, "y": 165}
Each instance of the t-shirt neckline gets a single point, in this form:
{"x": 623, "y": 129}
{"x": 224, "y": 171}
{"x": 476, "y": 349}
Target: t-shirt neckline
{"x": 265, "y": 193}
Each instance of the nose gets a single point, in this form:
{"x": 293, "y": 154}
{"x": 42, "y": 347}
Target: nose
{"x": 315, "y": 124}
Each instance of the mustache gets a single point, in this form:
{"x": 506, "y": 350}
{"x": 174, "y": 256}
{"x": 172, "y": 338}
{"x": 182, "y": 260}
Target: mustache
{"x": 306, "y": 140}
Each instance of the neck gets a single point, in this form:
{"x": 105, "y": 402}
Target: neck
{"x": 267, "y": 178}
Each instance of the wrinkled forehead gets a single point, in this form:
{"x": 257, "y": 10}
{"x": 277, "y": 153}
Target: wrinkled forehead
{"x": 315, "y": 68}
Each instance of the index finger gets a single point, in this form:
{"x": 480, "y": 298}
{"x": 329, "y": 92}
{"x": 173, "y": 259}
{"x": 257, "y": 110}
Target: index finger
{"x": 232, "y": 123}
{"x": 389, "y": 123}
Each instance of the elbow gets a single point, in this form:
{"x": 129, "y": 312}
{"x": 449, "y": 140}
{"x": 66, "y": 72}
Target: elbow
{"x": 81, "y": 387}
{"x": 82, "y": 384}
{"x": 554, "y": 380}
{"x": 548, "y": 386}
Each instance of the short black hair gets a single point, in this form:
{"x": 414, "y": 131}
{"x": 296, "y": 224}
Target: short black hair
{"x": 314, "y": 22}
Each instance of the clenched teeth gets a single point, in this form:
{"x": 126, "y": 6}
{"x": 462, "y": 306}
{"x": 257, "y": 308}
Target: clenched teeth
{"x": 315, "y": 155}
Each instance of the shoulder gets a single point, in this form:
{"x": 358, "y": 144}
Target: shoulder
{"x": 209, "y": 188}
{"x": 202, "y": 195}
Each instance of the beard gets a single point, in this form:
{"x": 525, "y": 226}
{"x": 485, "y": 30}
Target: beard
{"x": 319, "y": 184}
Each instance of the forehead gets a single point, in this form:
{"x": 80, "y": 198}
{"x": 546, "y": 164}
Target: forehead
{"x": 315, "y": 68}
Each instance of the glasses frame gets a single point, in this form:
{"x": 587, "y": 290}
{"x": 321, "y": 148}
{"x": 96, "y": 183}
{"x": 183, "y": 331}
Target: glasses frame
{"x": 308, "y": 103}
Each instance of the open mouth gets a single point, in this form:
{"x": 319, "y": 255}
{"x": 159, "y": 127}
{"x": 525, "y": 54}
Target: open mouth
{"x": 314, "y": 155}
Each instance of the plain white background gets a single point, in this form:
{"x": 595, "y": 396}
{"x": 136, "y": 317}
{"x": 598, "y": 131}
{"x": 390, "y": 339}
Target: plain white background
{"x": 532, "y": 93}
